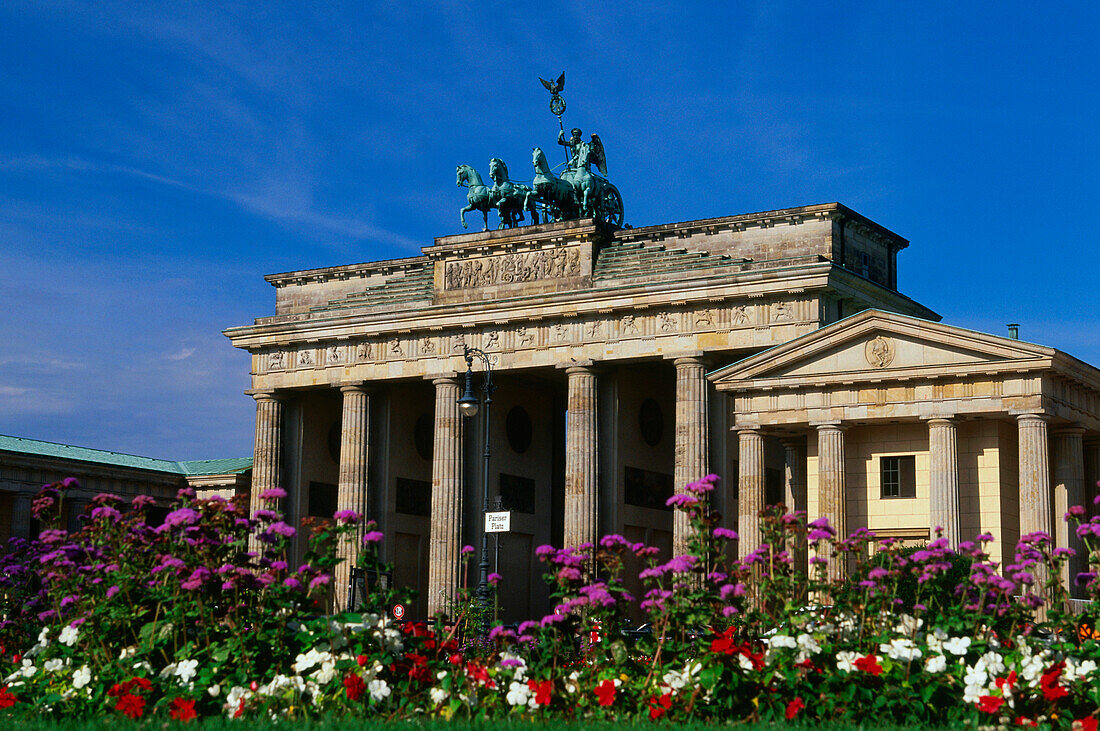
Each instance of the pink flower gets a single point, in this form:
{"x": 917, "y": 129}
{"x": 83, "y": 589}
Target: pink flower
{"x": 374, "y": 536}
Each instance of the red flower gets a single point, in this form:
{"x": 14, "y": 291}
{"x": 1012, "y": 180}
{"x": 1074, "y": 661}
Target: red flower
{"x": 240, "y": 709}
{"x": 1023, "y": 721}
{"x": 659, "y": 706}
{"x": 1088, "y": 723}
{"x": 1010, "y": 681}
{"x": 1052, "y": 691}
{"x": 605, "y": 691}
{"x": 131, "y": 705}
{"x": 7, "y": 700}
{"x": 794, "y": 707}
{"x": 989, "y": 703}
{"x": 362, "y": 660}
{"x": 354, "y": 686}
{"x": 542, "y": 690}
{"x": 479, "y": 673}
{"x": 869, "y": 664}
{"x": 723, "y": 644}
{"x": 182, "y": 710}
{"x": 142, "y": 683}
{"x": 455, "y": 659}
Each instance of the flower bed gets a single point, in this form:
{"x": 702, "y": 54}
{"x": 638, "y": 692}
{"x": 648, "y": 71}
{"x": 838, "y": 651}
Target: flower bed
{"x": 203, "y": 616}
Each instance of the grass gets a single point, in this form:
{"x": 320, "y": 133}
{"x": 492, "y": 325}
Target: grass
{"x": 341, "y": 723}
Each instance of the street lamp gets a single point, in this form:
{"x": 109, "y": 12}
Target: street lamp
{"x": 468, "y": 405}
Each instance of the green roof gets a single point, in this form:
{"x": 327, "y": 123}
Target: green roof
{"x": 118, "y": 459}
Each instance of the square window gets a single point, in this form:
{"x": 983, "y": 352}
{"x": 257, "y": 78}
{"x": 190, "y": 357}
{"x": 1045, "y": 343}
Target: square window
{"x": 898, "y": 476}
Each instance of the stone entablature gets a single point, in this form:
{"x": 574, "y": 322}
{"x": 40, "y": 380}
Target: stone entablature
{"x": 540, "y": 295}
{"x": 879, "y": 365}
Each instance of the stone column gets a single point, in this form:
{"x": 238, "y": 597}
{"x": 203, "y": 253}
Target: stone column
{"x": 943, "y": 477}
{"x": 794, "y": 489}
{"x": 832, "y": 497}
{"x": 1069, "y": 484}
{"x": 352, "y": 489}
{"x": 1034, "y": 479}
{"x": 692, "y": 438}
{"x": 581, "y": 458}
{"x": 21, "y": 515}
{"x": 1034, "y": 474}
{"x": 445, "y": 540}
{"x": 750, "y": 489}
{"x": 267, "y": 460}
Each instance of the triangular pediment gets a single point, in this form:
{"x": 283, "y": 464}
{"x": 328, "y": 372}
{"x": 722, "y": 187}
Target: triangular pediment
{"x": 875, "y": 346}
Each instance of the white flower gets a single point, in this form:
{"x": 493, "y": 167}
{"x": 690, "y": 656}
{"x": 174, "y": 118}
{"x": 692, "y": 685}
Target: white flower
{"x": 82, "y": 677}
{"x": 901, "y": 649}
{"x": 936, "y": 664}
{"x": 68, "y": 636}
{"x": 518, "y": 694}
{"x": 438, "y": 696}
{"x": 976, "y": 675}
{"x": 957, "y": 645}
{"x": 52, "y": 666}
{"x": 185, "y": 671}
{"x": 993, "y": 663}
{"x": 846, "y": 661}
{"x": 325, "y": 673}
{"x": 1032, "y": 668}
{"x": 571, "y": 682}
{"x": 28, "y": 669}
{"x": 214, "y": 690}
{"x": 973, "y": 693}
{"x": 379, "y": 689}
{"x": 744, "y": 662}
{"x": 908, "y": 625}
{"x": 1085, "y": 669}
{"x": 807, "y": 646}
{"x": 935, "y": 639}
{"x": 783, "y": 641}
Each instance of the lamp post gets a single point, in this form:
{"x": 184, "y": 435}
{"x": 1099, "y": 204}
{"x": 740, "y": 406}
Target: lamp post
{"x": 468, "y": 405}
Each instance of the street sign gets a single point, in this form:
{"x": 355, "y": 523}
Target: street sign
{"x": 498, "y": 522}
{"x": 398, "y": 611}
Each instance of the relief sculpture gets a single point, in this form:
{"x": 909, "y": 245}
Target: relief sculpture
{"x": 531, "y": 266}
{"x": 276, "y": 361}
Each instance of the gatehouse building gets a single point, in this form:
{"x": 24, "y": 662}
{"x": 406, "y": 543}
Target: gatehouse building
{"x": 772, "y": 348}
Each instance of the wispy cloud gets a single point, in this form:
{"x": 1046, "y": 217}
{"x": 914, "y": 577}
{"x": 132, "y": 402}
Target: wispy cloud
{"x": 183, "y": 354}
{"x": 283, "y": 201}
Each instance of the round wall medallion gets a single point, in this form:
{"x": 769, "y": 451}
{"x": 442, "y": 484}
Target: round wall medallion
{"x": 424, "y": 436}
{"x": 651, "y": 422}
{"x": 518, "y": 426}
{"x": 334, "y": 442}
{"x": 879, "y": 352}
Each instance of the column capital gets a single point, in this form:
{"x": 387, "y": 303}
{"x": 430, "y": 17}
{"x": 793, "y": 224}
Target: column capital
{"x": 829, "y": 426}
{"x": 442, "y": 376}
{"x": 585, "y": 365}
{"x": 1032, "y": 416}
{"x": 692, "y": 358}
{"x": 266, "y": 394}
{"x": 355, "y": 387}
{"x": 748, "y": 429}
{"x": 1068, "y": 430}
{"x": 941, "y": 421}
{"x": 441, "y": 380}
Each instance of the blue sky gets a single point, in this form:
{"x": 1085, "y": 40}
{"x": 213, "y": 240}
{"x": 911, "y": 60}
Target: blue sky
{"x": 157, "y": 159}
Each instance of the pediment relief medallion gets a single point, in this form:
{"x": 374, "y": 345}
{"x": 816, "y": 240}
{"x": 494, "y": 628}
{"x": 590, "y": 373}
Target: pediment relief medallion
{"x": 879, "y": 352}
